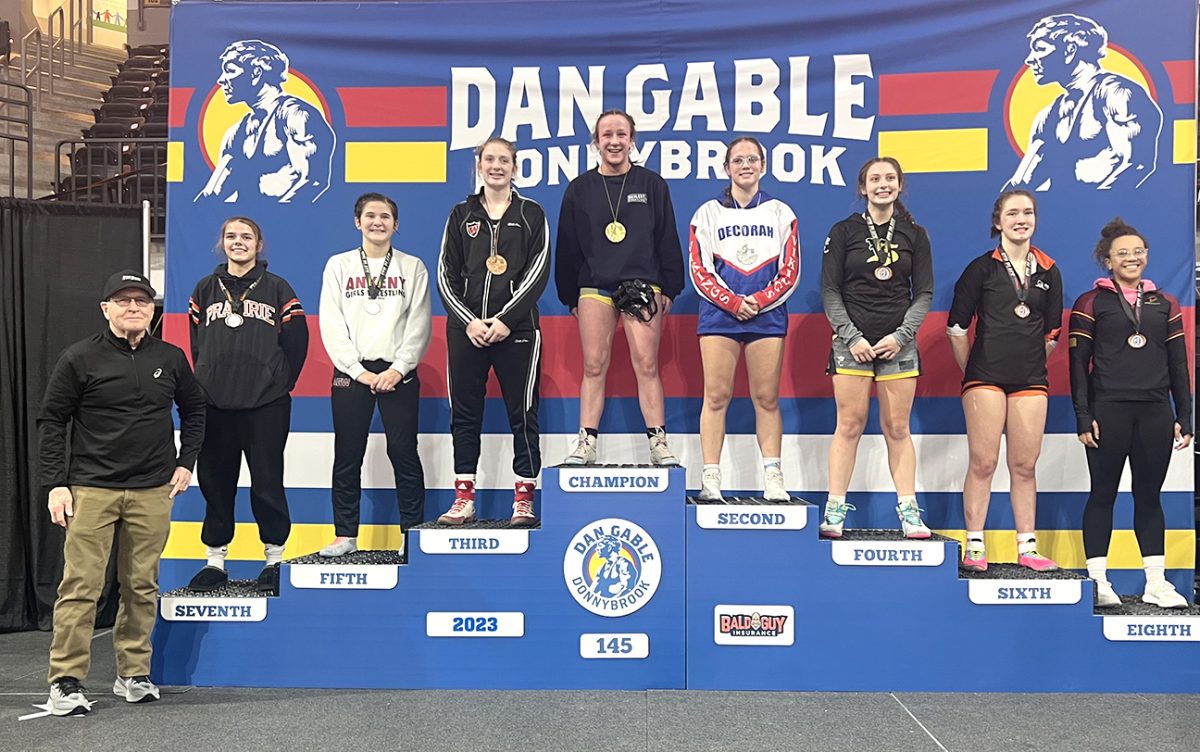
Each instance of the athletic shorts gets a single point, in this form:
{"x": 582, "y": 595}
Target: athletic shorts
{"x": 606, "y": 296}
{"x": 744, "y": 338}
{"x": 1010, "y": 390}
{"x": 905, "y": 365}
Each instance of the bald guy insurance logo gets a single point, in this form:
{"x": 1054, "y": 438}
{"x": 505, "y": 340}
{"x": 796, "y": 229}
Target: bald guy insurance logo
{"x": 612, "y": 567}
{"x": 1081, "y": 108}
{"x": 282, "y": 147}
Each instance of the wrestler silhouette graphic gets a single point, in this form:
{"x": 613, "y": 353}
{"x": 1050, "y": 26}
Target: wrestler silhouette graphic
{"x": 1102, "y": 131}
{"x": 283, "y": 148}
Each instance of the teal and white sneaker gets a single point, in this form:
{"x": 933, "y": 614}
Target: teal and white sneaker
{"x": 835, "y": 518}
{"x": 910, "y": 521}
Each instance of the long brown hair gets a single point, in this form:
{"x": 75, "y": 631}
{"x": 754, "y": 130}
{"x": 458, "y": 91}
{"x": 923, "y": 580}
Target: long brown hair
{"x": 899, "y": 206}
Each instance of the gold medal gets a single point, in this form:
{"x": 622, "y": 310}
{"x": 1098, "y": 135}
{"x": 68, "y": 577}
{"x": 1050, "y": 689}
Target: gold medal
{"x": 496, "y": 264}
{"x": 614, "y": 231}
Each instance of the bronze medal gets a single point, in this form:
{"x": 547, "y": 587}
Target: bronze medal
{"x": 614, "y": 231}
{"x": 496, "y": 264}
{"x": 883, "y": 273}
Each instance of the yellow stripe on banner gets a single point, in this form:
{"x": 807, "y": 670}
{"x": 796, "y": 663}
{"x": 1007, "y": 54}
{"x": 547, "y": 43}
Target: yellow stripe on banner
{"x": 956, "y": 150}
{"x": 1065, "y": 547}
{"x": 396, "y": 162}
{"x": 184, "y": 542}
{"x": 174, "y": 161}
{"x": 1185, "y": 141}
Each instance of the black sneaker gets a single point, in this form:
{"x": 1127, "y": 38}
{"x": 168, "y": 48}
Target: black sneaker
{"x": 208, "y": 579}
{"x": 268, "y": 580}
{"x": 68, "y": 697}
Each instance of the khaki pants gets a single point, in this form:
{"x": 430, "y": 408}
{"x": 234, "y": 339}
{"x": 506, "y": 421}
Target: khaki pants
{"x": 144, "y": 515}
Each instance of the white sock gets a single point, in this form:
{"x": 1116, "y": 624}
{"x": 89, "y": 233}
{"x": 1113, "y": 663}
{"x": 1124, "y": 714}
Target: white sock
{"x": 769, "y": 462}
{"x": 1026, "y": 543}
{"x": 713, "y": 466}
{"x": 1154, "y": 566}
{"x": 465, "y": 476}
{"x": 1097, "y": 568}
{"x": 216, "y": 556}
{"x": 274, "y": 553}
{"x": 906, "y": 500}
{"x": 975, "y": 537}
{"x": 530, "y": 481}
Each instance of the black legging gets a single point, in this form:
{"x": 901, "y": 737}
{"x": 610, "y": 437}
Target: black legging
{"x": 1143, "y": 432}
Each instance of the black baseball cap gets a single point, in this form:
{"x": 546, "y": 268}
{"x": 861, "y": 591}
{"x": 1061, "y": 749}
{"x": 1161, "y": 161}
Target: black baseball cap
{"x": 125, "y": 280}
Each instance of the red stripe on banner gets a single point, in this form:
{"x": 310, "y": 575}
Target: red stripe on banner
{"x": 804, "y": 359}
{"x": 177, "y": 103}
{"x": 394, "y": 106}
{"x": 1182, "y": 75}
{"x": 936, "y": 93}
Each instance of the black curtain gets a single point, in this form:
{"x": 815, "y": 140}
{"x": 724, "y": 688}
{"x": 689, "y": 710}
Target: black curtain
{"x": 54, "y": 260}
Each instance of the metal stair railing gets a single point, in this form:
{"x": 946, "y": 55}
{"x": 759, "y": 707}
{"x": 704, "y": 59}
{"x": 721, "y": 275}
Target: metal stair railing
{"x": 18, "y": 96}
{"x": 34, "y": 69}
{"x": 57, "y": 43}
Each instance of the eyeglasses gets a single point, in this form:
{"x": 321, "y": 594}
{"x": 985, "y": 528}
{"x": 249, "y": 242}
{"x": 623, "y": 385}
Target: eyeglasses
{"x": 741, "y": 161}
{"x": 126, "y": 302}
{"x": 1123, "y": 254}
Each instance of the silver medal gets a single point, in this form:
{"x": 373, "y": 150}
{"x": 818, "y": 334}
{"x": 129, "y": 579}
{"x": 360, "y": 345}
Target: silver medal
{"x": 373, "y": 307}
{"x": 1137, "y": 341}
{"x": 234, "y": 320}
{"x": 1022, "y": 311}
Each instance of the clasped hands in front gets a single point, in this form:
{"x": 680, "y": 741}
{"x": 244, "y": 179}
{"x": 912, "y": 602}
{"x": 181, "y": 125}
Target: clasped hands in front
{"x": 884, "y": 349}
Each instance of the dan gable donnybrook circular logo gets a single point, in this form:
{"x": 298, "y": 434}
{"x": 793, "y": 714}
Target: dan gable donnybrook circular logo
{"x": 612, "y": 567}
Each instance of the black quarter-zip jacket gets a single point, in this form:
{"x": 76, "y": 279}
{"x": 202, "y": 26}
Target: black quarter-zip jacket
{"x": 117, "y": 400}
{"x": 469, "y": 289}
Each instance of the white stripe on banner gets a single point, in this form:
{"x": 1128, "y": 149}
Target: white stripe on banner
{"x": 942, "y": 462}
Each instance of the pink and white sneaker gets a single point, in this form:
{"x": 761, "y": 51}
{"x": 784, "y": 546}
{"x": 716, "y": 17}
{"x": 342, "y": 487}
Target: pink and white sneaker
{"x": 1038, "y": 563}
{"x": 974, "y": 560}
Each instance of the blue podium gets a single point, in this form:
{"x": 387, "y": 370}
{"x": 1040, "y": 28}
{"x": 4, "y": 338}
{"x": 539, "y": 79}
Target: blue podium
{"x": 629, "y": 585}
{"x": 876, "y": 612}
{"x": 595, "y": 598}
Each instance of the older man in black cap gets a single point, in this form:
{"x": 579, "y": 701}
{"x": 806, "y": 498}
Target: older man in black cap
{"x": 115, "y": 390}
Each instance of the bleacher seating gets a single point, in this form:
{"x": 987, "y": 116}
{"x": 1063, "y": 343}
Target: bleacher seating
{"x": 109, "y": 164}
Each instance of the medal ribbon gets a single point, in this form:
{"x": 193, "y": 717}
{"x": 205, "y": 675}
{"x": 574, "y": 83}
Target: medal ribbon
{"x": 374, "y": 285}
{"x": 1022, "y": 288}
{"x": 1134, "y": 312}
{"x": 236, "y": 306}
{"x": 875, "y": 242}
{"x": 620, "y": 194}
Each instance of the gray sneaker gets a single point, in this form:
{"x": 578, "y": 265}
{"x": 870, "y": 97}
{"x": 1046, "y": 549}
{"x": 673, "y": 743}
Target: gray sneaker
{"x": 710, "y": 485}
{"x": 660, "y": 453}
{"x": 67, "y": 697}
{"x": 340, "y": 547}
{"x": 584, "y": 452}
{"x": 135, "y": 689}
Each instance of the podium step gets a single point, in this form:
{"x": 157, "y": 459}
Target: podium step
{"x": 1018, "y": 572}
{"x": 358, "y": 558}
